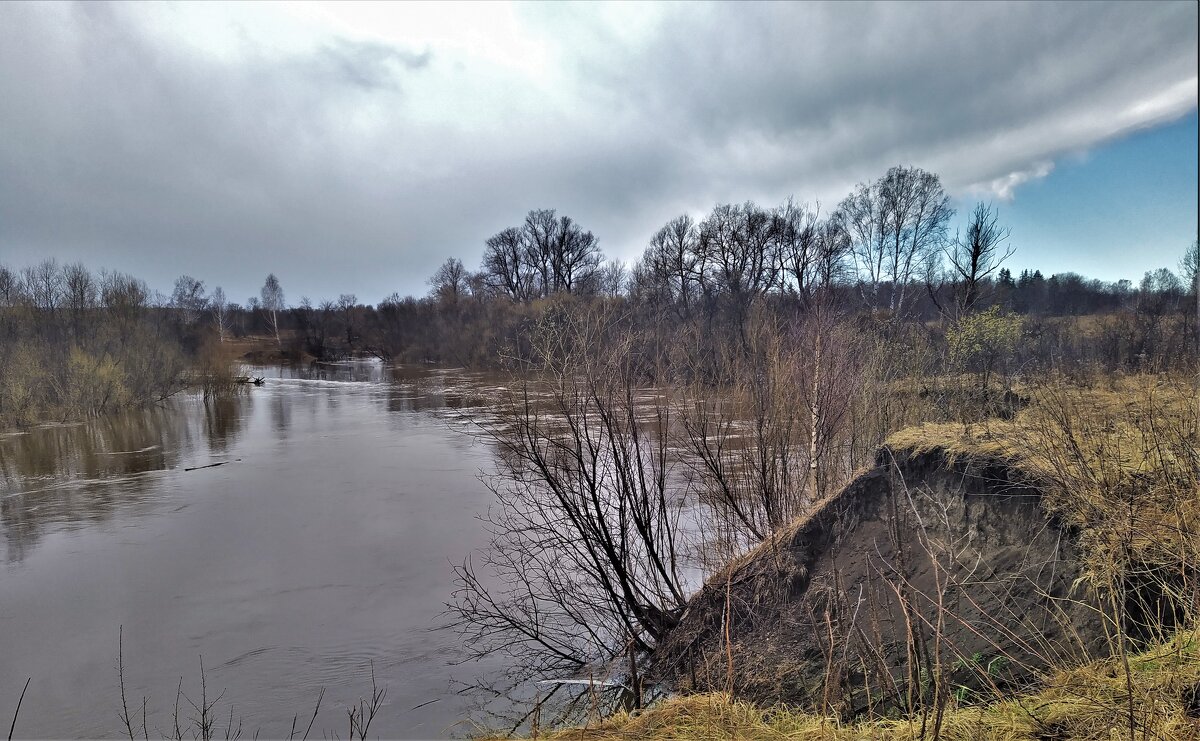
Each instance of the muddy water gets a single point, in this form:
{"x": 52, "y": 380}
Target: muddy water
{"x": 320, "y": 548}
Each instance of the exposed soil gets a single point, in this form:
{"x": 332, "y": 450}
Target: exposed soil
{"x": 921, "y": 563}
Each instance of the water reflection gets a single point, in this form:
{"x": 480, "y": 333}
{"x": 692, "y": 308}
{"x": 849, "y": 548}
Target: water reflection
{"x": 320, "y": 548}
{"x": 222, "y": 419}
{"x": 73, "y": 474}
{"x": 281, "y": 415}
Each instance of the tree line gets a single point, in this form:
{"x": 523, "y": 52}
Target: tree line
{"x": 884, "y": 256}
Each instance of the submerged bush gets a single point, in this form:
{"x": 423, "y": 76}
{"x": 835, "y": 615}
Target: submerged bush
{"x": 93, "y": 384}
{"x": 78, "y": 353}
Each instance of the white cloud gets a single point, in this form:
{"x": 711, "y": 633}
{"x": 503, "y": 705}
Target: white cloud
{"x": 1004, "y": 187}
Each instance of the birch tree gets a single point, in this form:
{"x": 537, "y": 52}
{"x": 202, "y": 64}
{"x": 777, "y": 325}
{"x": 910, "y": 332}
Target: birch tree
{"x": 272, "y": 304}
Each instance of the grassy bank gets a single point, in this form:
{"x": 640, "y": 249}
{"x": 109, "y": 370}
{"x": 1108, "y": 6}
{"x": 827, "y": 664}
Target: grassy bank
{"x": 1084, "y": 704}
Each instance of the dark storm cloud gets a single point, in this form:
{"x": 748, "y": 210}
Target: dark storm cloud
{"x": 357, "y": 165}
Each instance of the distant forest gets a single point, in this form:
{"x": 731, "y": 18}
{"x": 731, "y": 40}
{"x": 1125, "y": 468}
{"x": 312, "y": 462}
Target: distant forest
{"x": 884, "y": 262}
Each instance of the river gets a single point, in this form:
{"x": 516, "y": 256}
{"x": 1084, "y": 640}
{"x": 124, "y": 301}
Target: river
{"x": 320, "y": 548}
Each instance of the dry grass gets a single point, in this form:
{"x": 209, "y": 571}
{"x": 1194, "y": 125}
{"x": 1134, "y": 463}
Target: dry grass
{"x": 1083, "y": 704}
{"x": 1119, "y": 460}
{"x": 1119, "y": 409}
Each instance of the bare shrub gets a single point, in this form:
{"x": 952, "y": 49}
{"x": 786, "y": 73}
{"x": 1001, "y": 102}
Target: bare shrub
{"x": 586, "y": 553}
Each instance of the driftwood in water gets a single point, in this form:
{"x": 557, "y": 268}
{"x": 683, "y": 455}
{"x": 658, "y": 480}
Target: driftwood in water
{"x": 210, "y": 465}
{"x": 256, "y": 380}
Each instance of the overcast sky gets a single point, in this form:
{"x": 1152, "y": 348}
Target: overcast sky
{"x": 352, "y": 148}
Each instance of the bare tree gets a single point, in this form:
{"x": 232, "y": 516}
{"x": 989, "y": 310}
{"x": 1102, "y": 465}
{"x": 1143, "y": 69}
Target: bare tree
{"x": 795, "y": 229}
{"x": 973, "y": 258}
{"x": 450, "y": 282}
{"x": 10, "y": 287}
{"x": 859, "y": 214}
{"x": 544, "y": 256}
{"x": 123, "y": 294}
{"x": 1189, "y": 268}
{"x": 895, "y": 223}
{"x": 505, "y": 267}
{"x": 743, "y": 445}
{"x": 540, "y": 237}
{"x": 188, "y": 298}
{"x": 739, "y": 242}
{"x": 775, "y": 438}
{"x": 673, "y": 266}
{"x": 347, "y": 304}
{"x": 219, "y": 307}
{"x": 739, "y": 247}
{"x": 272, "y": 303}
{"x": 575, "y": 258}
{"x": 81, "y": 293}
{"x": 479, "y": 288}
{"x": 611, "y": 278}
{"x": 828, "y": 265}
{"x": 586, "y": 552}
{"x": 80, "y": 290}
{"x": 1159, "y": 293}
{"x": 43, "y": 284}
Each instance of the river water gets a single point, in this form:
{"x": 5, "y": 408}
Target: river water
{"x": 321, "y": 548}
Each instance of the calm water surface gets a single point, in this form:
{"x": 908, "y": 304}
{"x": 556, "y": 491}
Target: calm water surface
{"x": 322, "y": 547}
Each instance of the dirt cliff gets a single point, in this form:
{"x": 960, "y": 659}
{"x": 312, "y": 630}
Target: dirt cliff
{"x": 926, "y": 574}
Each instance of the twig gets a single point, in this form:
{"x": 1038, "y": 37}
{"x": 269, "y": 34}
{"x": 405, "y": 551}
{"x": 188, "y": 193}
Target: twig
{"x": 121, "y": 674}
{"x": 178, "y": 691}
{"x": 316, "y": 710}
{"x": 17, "y": 712}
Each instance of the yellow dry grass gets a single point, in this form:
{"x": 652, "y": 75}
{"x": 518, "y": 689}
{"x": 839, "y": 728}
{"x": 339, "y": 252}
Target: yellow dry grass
{"x": 1089, "y": 703}
{"x": 1120, "y": 460}
{"x": 1121, "y": 409}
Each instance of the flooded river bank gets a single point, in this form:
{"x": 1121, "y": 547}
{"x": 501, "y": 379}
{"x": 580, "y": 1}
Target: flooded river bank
{"x": 320, "y": 547}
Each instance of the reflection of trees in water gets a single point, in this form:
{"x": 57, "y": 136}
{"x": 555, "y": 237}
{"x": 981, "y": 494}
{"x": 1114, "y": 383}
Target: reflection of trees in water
{"x": 401, "y": 399}
{"x": 84, "y": 473}
{"x": 223, "y": 420}
{"x": 281, "y": 413}
{"x": 423, "y": 396}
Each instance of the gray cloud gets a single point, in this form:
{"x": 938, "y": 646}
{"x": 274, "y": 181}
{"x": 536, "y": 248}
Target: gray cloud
{"x": 846, "y": 87}
{"x": 357, "y": 165}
